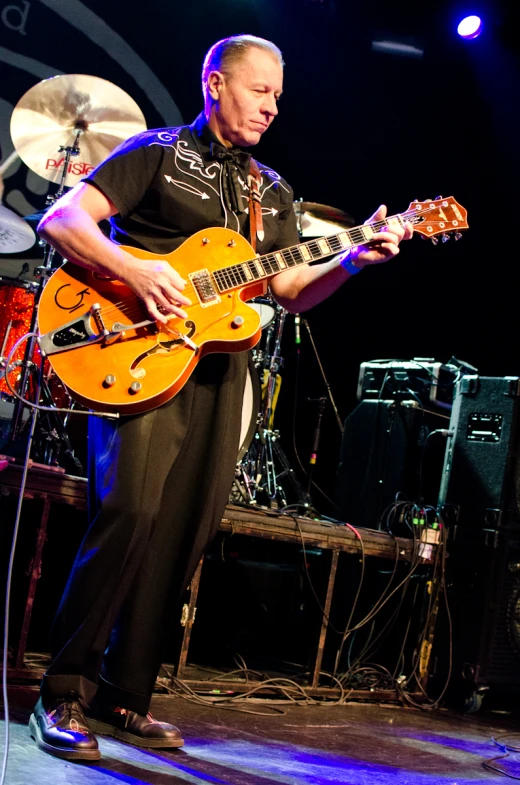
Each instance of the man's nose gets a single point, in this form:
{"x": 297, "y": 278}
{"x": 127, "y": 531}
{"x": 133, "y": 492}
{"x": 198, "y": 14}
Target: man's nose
{"x": 270, "y": 106}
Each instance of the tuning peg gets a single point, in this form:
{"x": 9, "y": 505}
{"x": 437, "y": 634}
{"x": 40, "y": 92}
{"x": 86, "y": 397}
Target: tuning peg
{"x": 445, "y": 237}
{"x": 457, "y": 235}
{"x": 435, "y": 240}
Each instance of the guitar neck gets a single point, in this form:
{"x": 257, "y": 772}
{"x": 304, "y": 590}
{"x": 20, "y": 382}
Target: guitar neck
{"x": 267, "y": 266}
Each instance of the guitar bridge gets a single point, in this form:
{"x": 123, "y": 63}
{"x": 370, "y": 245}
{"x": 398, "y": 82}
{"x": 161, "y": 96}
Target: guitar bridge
{"x": 205, "y": 288}
{"x": 75, "y": 333}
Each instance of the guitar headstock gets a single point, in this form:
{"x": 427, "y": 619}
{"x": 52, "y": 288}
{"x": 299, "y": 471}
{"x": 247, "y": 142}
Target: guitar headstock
{"x": 442, "y": 216}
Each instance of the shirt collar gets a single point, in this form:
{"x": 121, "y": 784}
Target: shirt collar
{"x": 205, "y": 136}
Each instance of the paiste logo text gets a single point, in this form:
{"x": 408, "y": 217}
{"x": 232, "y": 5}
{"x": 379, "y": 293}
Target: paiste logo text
{"x": 75, "y": 167}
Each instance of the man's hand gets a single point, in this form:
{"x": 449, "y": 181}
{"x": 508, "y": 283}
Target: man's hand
{"x": 158, "y": 285}
{"x": 384, "y": 245}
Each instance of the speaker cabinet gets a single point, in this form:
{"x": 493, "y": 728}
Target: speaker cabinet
{"x": 385, "y": 455}
{"x": 483, "y": 579}
{"x": 479, "y": 477}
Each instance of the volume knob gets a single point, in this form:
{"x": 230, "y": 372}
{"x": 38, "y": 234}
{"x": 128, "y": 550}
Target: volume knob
{"x": 134, "y": 388}
{"x": 238, "y": 321}
{"x": 109, "y": 380}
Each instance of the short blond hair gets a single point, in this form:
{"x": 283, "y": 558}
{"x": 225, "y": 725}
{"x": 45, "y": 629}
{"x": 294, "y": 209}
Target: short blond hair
{"x": 225, "y": 53}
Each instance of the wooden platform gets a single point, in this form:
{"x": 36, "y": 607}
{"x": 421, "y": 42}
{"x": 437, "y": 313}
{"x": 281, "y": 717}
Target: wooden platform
{"x": 55, "y": 487}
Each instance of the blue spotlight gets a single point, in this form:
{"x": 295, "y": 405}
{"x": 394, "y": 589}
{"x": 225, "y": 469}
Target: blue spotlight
{"x": 470, "y": 27}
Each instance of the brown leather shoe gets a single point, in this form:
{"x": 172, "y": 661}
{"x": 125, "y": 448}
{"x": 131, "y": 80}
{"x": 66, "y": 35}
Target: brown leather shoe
{"x": 138, "y": 729}
{"x": 61, "y": 729}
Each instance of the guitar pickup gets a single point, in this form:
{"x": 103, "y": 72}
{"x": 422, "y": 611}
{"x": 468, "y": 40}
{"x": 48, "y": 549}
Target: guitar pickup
{"x": 75, "y": 333}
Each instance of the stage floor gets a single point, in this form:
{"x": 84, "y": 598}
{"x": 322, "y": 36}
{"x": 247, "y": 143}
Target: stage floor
{"x": 355, "y": 743}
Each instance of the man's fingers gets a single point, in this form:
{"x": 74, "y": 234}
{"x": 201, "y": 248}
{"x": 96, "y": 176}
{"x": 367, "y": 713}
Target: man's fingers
{"x": 160, "y": 307}
{"x": 379, "y": 214}
{"x": 153, "y": 312}
{"x": 388, "y": 236}
{"x": 173, "y": 295}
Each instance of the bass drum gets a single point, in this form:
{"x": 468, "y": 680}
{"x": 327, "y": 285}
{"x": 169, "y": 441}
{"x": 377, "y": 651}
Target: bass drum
{"x": 16, "y": 309}
{"x": 250, "y": 408}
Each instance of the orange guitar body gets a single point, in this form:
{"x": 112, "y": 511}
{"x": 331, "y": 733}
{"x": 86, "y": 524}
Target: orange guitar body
{"x": 157, "y": 359}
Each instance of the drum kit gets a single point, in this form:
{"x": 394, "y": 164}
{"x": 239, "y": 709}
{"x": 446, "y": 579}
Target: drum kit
{"x": 61, "y": 129}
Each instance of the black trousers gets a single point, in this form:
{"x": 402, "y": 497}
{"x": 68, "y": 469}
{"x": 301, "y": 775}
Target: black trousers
{"x": 161, "y": 482}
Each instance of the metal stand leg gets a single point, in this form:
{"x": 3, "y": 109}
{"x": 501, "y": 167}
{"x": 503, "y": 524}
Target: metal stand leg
{"x": 188, "y": 619}
{"x": 264, "y": 470}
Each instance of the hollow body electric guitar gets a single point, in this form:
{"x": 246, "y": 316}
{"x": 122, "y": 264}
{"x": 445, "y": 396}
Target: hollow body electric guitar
{"x": 104, "y": 348}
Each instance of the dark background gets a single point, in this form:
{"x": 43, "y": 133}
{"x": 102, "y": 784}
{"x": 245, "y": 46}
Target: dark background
{"x": 356, "y": 128}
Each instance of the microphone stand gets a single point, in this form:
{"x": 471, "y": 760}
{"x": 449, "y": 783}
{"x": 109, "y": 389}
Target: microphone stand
{"x": 325, "y": 380}
{"x": 322, "y": 402}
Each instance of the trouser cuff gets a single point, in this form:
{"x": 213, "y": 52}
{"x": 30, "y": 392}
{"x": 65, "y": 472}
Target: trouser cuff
{"x": 112, "y": 696}
{"x": 54, "y": 687}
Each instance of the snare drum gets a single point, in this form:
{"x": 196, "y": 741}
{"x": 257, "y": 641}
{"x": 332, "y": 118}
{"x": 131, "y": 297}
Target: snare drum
{"x": 265, "y": 309}
{"x": 16, "y": 309}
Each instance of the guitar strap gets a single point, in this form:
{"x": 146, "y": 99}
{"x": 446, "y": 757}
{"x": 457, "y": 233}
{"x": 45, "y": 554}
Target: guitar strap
{"x": 256, "y": 224}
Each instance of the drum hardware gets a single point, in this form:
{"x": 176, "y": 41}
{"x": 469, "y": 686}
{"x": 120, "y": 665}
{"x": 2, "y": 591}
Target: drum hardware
{"x": 32, "y": 343}
{"x": 263, "y": 468}
{"x": 47, "y": 125}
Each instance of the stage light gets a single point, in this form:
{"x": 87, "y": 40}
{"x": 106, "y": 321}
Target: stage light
{"x": 470, "y": 27}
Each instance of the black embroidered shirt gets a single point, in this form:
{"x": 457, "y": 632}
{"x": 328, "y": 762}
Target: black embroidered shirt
{"x": 166, "y": 186}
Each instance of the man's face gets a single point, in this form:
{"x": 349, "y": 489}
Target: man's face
{"x": 246, "y": 98}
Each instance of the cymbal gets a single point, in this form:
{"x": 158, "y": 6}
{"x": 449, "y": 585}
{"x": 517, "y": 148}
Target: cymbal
{"x": 15, "y": 234}
{"x": 320, "y": 220}
{"x": 52, "y": 112}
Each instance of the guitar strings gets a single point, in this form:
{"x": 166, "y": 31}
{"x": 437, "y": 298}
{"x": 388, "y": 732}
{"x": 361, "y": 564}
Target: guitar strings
{"x": 134, "y": 306}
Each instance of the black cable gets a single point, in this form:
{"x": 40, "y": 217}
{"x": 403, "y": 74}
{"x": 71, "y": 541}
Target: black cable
{"x": 9, "y": 579}
{"x": 346, "y": 632}
{"x": 293, "y": 427}
{"x": 320, "y": 606}
{"x": 441, "y": 588}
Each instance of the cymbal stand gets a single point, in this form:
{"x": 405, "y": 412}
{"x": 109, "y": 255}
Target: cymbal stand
{"x": 28, "y": 366}
{"x": 265, "y": 467}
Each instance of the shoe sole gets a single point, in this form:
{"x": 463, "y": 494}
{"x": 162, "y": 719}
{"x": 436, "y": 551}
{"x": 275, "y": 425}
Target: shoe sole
{"x": 104, "y": 729}
{"x": 59, "y": 752}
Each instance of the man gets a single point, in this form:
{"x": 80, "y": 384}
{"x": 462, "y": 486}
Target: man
{"x": 161, "y": 480}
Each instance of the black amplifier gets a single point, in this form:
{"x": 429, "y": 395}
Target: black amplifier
{"x": 422, "y": 378}
{"x": 480, "y": 484}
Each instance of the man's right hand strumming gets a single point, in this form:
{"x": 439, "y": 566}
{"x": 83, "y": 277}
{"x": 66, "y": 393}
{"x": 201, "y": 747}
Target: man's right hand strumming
{"x": 71, "y": 226}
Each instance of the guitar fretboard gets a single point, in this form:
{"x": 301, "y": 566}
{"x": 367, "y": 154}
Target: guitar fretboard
{"x": 270, "y": 264}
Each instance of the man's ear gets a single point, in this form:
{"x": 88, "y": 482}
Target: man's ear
{"x": 215, "y": 83}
